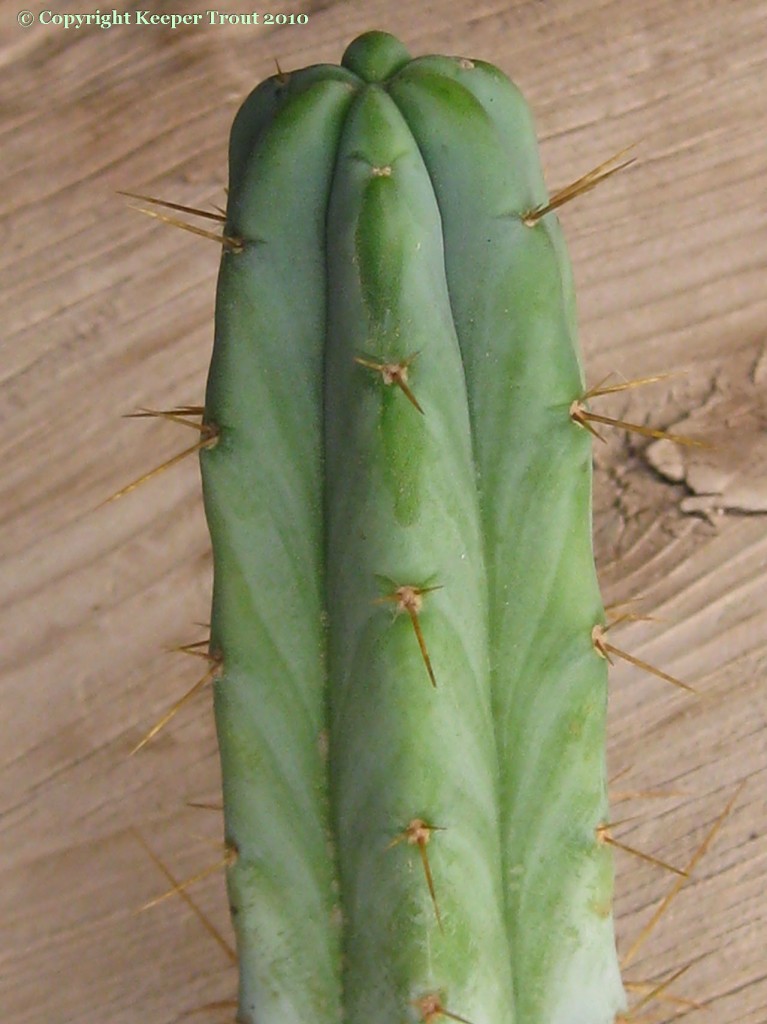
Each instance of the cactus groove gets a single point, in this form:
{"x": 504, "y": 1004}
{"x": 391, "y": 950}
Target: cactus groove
{"x": 410, "y": 708}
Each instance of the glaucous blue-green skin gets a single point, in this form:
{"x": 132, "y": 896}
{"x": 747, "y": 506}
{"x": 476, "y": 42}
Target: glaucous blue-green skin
{"x": 514, "y": 307}
{"x": 401, "y": 504}
{"x": 324, "y": 480}
{"x": 262, "y": 485}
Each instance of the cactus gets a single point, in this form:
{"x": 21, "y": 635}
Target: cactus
{"x": 409, "y": 701}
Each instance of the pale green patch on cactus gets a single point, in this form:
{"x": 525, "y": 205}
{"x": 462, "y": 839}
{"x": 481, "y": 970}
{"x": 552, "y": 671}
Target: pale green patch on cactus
{"x": 410, "y": 708}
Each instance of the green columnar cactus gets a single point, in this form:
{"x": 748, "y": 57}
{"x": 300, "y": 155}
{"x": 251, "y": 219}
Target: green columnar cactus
{"x": 410, "y": 707}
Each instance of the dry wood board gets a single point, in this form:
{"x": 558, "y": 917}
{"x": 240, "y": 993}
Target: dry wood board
{"x": 106, "y": 311}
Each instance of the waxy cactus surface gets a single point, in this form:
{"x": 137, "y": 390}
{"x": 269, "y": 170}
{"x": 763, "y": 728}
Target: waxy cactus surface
{"x": 410, "y": 707}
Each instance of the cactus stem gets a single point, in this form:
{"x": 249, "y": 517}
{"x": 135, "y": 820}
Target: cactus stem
{"x": 410, "y": 599}
{"x": 581, "y": 185}
{"x": 430, "y": 1007}
{"x": 418, "y": 833}
{"x": 671, "y": 895}
{"x": 605, "y": 649}
{"x": 208, "y": 439}
{"x": 584, "y": 417}
{"x": 212, "y": 672}
{"x": 202, "y": 917}
{"x": 603, "y": 836}
{"x": 226, "y": 861}
{"x": 174, "y": 206}
{"x": 393, "y": 373}
{"x": 231, "y": 242}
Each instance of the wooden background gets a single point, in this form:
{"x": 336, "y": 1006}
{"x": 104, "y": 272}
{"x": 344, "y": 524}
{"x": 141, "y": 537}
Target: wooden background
{"x": 105, "y": 311}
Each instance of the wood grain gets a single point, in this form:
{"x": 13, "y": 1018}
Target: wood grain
{"x": 105, "y": 311}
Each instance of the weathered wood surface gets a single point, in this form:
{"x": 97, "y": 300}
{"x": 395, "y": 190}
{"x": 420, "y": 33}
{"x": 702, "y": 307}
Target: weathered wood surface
{"x": 105, "y": 311}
